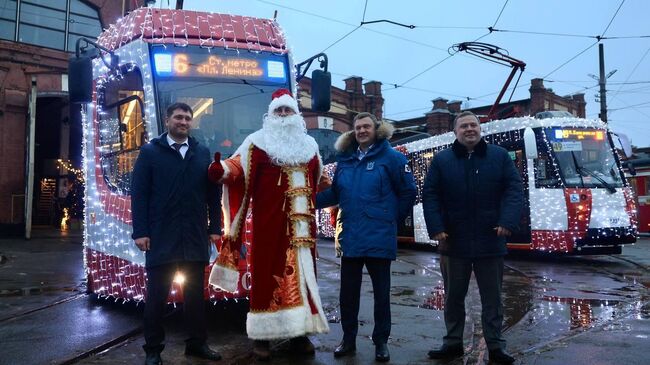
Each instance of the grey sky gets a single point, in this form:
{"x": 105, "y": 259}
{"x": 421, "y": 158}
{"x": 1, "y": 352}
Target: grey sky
{"x": 395, "y": 55}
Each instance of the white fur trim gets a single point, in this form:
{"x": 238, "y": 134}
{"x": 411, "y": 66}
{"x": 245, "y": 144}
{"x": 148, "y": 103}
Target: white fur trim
{"x": 226, "y": 170}
{"x": 292, "y": 322}
{"x": 231, "y": 227}
{"x": 284, "y": 100}
{"x": 301, "y": 228}
{"x": 225, "y": 209}
{"x": 224, "y": 278}
{"x": 298, "y": 179}
{"x": 300, "y": 204}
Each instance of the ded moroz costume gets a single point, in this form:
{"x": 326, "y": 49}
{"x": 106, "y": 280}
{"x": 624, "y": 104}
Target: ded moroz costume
{"x": 278, "y": 169}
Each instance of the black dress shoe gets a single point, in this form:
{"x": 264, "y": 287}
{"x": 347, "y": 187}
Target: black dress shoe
{"x": 344, "y": 349}
{"x": 381, "y": 352}
{"x": 203, "y": 352}
{"x": 499, "y": 356}
{"x": 153, "y": 358}
{"x": 446, "y": 352}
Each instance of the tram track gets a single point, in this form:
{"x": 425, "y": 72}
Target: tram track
{"x": 112, "y": 343}
{"x": 42, "y": 308}
{"x": 54, "y": 310}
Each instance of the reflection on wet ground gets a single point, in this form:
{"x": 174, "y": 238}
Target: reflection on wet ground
{"x": 574, "y": 295}
{"x": 546, "y": 299}
{"x": 583, "y": 312}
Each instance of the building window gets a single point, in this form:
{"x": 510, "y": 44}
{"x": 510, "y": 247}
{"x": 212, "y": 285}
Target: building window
{"x": 83, "y": 22}
{"x": 49, "y": 23}
{"x": 8, "y": 20}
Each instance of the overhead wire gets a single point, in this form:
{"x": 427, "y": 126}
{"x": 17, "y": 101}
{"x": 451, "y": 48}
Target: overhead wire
{"x": 350, "y": 32}
{"x": 491, "y": 29}
{"x": 632, "y": 72}
{"x": 501, "y": 12}
{"x": 613, "y": 16}
{"x": 597, "y": 37}
{"x": 340, "y": 39}
{"x": 451, "y": 55}
{"x": 354, "y": 25}
{"x": 570, "y": 59}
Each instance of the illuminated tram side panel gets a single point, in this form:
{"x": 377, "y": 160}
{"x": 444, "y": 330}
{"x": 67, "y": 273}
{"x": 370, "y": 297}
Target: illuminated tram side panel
{"x": 225, "y": 67}
{"x": 577, "y": 200}
{"x": 640, "y": 183}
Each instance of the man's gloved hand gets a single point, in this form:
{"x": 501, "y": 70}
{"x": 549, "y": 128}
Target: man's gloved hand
{"x": 215, "y": 171}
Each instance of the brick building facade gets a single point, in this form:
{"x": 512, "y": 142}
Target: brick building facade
{"x": 58, "y": 135}
{"x": 439, "y": 119}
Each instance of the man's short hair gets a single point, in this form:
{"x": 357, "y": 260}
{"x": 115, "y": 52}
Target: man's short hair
{"x": 463, "y": 115}
{"x": 182, "y": 106}
{"x": 366, "y": 115}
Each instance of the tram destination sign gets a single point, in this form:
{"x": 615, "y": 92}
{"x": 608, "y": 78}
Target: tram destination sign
{"x": 266, "y": 68}
{"x": 580, "y": 134}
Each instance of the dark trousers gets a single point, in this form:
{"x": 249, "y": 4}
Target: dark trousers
{"x": 351, "y": 274}
{"x": 488, "y": 272}
{"x": 159, "y": 280}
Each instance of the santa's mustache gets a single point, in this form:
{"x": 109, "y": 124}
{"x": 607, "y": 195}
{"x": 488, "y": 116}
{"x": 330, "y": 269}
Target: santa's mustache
{"x": 291, "y": 122}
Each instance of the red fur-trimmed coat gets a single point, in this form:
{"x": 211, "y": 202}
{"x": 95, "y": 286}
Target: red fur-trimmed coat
{"x": 284, "y": 297}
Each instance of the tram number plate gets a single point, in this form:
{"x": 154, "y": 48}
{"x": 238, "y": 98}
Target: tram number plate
{"x": 614, "y": 221}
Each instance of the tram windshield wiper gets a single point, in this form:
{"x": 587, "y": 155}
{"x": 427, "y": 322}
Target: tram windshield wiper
{"x": 581, "y": 169}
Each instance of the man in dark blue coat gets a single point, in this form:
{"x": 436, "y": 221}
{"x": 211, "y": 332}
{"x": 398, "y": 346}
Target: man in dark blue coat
{"x": 170, "y": 202}
{"x": 374, "y": 188}
{"x": 472, "y": 200}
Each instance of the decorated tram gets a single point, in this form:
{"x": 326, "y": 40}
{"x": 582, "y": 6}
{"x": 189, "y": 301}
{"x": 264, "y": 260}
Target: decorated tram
{"x": 577, "y": 200}
{"x": 224, "y": 66}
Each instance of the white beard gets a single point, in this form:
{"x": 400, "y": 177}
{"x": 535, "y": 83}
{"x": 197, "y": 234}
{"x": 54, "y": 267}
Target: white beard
{"x": 285, "y": 140}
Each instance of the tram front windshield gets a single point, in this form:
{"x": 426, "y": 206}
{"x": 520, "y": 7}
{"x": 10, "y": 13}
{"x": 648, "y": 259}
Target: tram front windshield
{"x": 584, "y": 157}
{"x": 229, "y": 92}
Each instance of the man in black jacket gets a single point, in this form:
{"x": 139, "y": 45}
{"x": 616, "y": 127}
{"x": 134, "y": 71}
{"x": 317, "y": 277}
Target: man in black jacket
{"x": 472, "y": 200}
{"x": 170, "y": 202}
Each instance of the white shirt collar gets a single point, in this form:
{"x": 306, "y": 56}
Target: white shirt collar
{"x": 171, "y": 141}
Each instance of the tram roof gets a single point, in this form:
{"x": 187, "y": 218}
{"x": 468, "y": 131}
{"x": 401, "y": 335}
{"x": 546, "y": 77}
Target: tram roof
{"x": 506, "y": 125}
{"x": 185, "y": 27}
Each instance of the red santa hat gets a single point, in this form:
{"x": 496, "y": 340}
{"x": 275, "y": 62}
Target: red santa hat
{"x": 283, "y": 97}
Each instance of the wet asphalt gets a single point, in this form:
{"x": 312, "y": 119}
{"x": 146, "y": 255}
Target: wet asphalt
{"x": 558, "y": 310}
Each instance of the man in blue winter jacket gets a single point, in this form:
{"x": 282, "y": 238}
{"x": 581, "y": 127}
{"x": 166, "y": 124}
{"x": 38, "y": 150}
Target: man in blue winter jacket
{"x": 472, "y": 200}
{"x": 374, "y": 188}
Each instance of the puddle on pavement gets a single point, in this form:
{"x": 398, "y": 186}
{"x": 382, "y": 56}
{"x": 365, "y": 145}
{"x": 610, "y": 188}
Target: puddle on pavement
{"x": 573, "y": 313}
{"x": 517, "y": 297}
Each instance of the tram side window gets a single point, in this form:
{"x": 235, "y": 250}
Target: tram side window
{"x": 121, "y": 128}
{"x": 546, "y": 175}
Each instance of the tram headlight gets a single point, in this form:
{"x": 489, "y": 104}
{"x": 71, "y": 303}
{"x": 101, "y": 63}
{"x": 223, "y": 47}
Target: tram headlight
{"x": 179, "y": 278}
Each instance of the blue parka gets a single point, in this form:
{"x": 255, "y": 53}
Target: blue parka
{"x": 468, "y": 195}
{"x": 373, "y": 195}
{"x": 171, "y": 198}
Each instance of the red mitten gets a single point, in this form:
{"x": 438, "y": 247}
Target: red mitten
{"x": 215, "y": 171}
